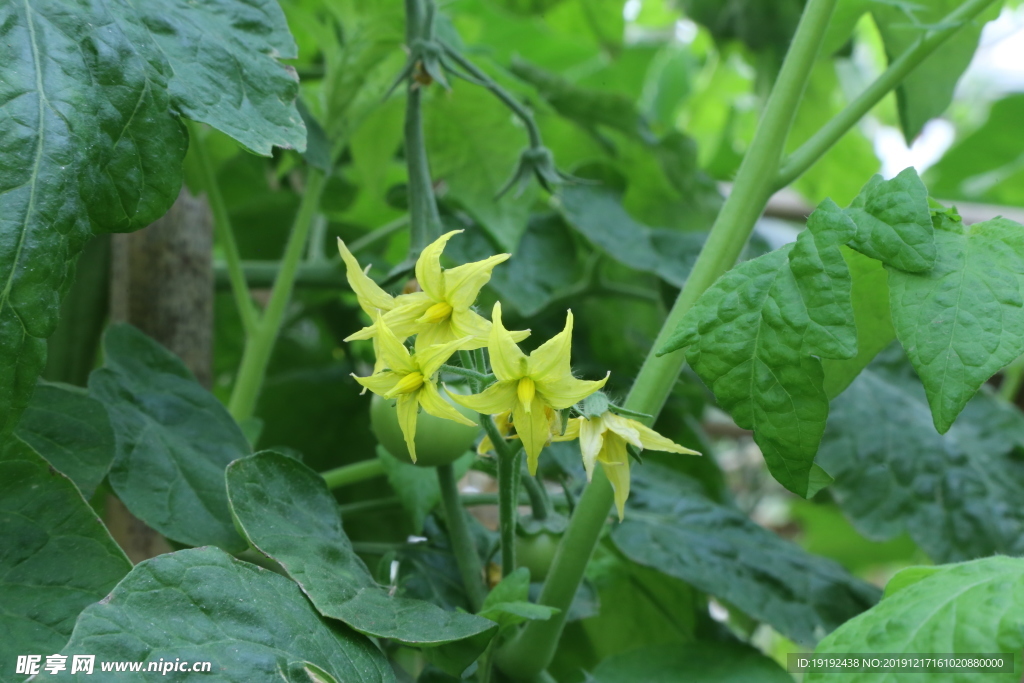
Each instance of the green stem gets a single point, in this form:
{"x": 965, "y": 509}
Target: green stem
{"x": 462, "y": 542}
{"x": 225, "y": 235}
{"x": 503, "y": 95}
{"x": 508, "y": 494}
{"x": 354, "y": 473}
{"x": 260, "y": 345}
{"x": 477, "y": 378}
{"x": 378, "y": 234}
{"x": 812, "y": 150}
{"x": 539, "y": 503}
{"x": 467, "y": 499}
{"x": 531, "y": 650}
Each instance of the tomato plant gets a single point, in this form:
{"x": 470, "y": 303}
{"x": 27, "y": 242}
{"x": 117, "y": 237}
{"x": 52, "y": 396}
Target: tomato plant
{"x": 304, "y": 304}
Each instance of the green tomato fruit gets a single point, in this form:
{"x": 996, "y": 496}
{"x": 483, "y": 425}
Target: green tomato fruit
{"x": 438, "y": 441}
{"x": 536, "y": 553}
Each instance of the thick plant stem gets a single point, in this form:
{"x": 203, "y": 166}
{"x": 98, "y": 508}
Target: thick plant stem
{"x": 259, "y": 346}
{"x": 225, "y": 236}
{"x": 462, "y": 543}
{"x": 532, "y": 649}
{"x": 354, "y": 473}
{"x": 812, "y": 150}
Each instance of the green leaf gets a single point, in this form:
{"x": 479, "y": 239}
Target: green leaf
{"x": 545, "y": 264}
{"x": 699, "y": 661}
{"x": 509, "y": 604}
{"x": 56, "y": 557}
{"x": 417, "y": 487}
{"x": 204, "y": 605}
{"x": 72, "y": 431}
{"x": 872, "y": 319}
{"x": 963, "y": 320}
{"x": 286, "y": 512}
{"x": 984, "y": 165}
{"x": 973, "y": 607}
{"x": 762, "y": 25}
{"x": 586, "y": 107}
{"x": 174, "y": 439}
{"x": 474, "y": 148}
{"x": 894, "y": 225}
{"x": 957, "y": 495}
{"x": 598, "y": 214}
{"x": 757, "y": 335}
{"x": 927, "y": 90}
{"x": 91, "y": 139}
{"x": 672, "y": 527}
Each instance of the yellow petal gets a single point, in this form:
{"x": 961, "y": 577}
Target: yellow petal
{"x": 428, "y": 267}
{"x": 550, "y": 361}
{"x": 623, "y": 427}
{"x": 500, "y": 397}
{"x": 394, "y": 353}
{"x": 507, "y": 361}
{"x": 409, "y": 384}
{"x": 462, "y": 285}
{"x": 371, "y": 297}
{"x": 572, "y": 430}
{"x": 467, "y": 323}
{"x": 409, "y": 308}
{"x": 432, "y": 401}
{"x": 568, "y": 391}
{"x": 408, "y": 407}
{"x": 533, "y": 428}
{"x": 654, "y": 441}
{"x": 381, "y": 382}
{"x": 431, "y": 358}
{"x": 615, "y": 463}
{"x": 591, "y": 442}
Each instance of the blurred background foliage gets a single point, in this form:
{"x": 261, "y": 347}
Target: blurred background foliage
{"x": 654, "y": 101}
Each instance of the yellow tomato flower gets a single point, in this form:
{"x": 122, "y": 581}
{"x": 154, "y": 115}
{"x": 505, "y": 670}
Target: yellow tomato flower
{"x": 411, "y": 380}
{"x": 529, "y": 386}
{"x": 372, "y": 299}
{"x": 442, "y": 312}
{"x": 603, "y": 440}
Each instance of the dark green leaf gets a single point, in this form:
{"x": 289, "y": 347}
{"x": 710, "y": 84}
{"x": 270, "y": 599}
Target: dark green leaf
{"x": 72, "y": 431}
{"x": 894, "y": 225}
{"x": 962, "y": 608}
{"x": 417, "y": 487}
{"x": 956, "y": 495}
{"x": 174, "y": 440}
{"x": 474, "y": 147}
{"x": 91, "y": 140}
{"x": 204, "y": 605}
{"x": 56, "y": 556}
{"x": 757, "y": 335}
{"x": 963, "y": 320}
{"x": 763, "y": 25}
{"x": 598, "y": 214}
{"x": 673, "y": 528}
{"x": 699, "y": 661}
{"x": 286, "y": 512}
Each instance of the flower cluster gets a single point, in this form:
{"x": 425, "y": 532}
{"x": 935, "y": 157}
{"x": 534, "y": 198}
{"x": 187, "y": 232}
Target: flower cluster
{"x": 528, "y": 392}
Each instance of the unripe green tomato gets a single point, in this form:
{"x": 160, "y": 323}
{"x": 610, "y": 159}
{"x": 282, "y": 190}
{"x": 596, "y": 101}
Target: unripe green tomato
{"x": 438, "y": 441}
{"x": 536, "y": 553}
